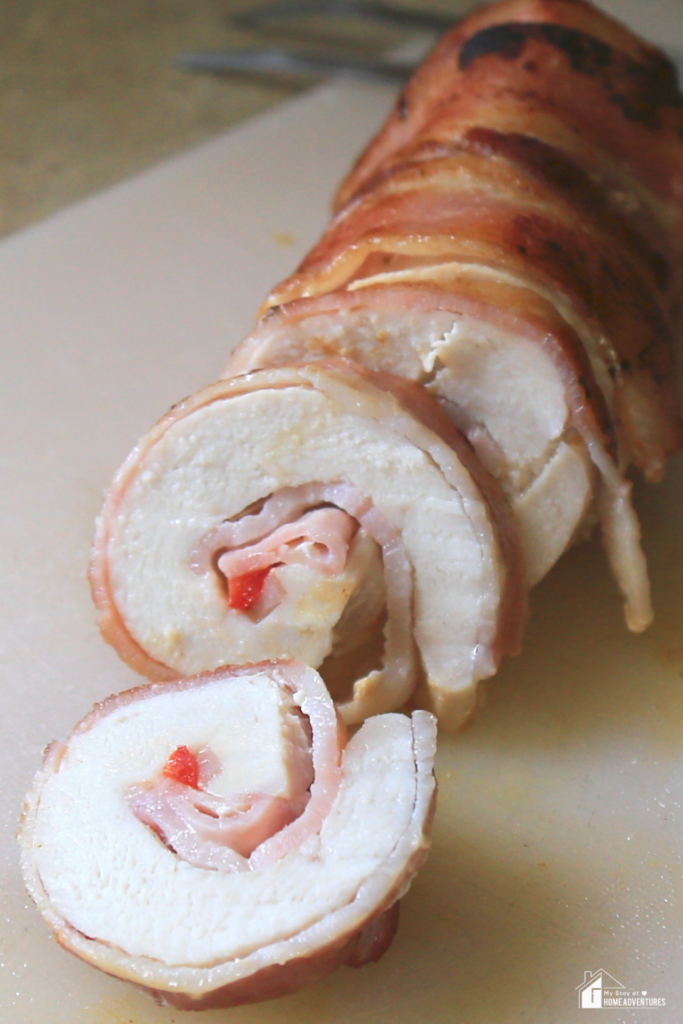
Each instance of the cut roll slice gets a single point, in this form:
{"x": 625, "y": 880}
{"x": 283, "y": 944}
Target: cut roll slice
{"x": 320, "y": 513}
{"x": 231, "y": 846}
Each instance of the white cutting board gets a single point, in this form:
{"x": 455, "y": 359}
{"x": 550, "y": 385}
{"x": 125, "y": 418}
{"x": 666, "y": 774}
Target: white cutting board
{"x": 557, "y": 842}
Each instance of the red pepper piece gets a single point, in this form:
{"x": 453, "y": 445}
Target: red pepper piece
{"x": 244, "y": 591}
{"x": 182, "y": 767}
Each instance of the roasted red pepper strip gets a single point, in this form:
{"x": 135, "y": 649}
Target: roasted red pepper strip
{"x": 244, "y": 591}
{"x": 182, "y": 767}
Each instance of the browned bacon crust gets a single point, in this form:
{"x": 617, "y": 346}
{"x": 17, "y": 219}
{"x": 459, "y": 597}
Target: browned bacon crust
{"x": 615, "y": 92}
{"x": 541, "y": 140}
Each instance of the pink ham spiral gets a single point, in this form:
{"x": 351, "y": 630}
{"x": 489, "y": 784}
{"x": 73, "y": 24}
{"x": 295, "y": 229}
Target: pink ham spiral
{"x": 330, "y": 529}
{"x": 247, "y": 830}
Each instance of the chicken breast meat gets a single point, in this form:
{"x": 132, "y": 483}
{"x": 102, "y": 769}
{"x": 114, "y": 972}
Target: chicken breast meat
{"x": 233, "y": 845}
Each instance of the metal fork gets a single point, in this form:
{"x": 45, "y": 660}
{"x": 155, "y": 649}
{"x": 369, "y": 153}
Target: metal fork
{"x": 282, "y": 59}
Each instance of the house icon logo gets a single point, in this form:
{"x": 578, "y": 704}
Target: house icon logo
{"x": 594, "y": 987}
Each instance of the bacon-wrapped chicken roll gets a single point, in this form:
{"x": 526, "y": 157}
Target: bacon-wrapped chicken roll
{"x": 512, "y": 241}
{"x": 319, "y": 513}
{"x": 231, "y": 845}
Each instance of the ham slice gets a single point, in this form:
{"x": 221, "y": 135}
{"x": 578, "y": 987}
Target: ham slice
{"x": 512, "y": 240}
{"x": 198, "y": 929}
{"x": 364, "y": 504}
{"x": 320, "y": 538}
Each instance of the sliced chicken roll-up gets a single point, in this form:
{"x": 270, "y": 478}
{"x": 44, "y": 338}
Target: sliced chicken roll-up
{"x": 512, "y": 239}
{"x": 321, "y": 513}
{"x": 231, "y": 845}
